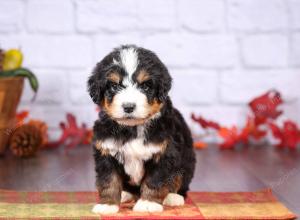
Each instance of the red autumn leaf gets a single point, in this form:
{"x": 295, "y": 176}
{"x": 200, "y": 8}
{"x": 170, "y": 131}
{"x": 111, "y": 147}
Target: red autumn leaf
{"x": 265, "y": 106}
{"x": 288, "y": 135}
{"x": 245, "y": 133}
{"x": 205, "y": 123}
{"x": 253, "y": 129}
{"x": 72, "y": 135}
{"x": 230, "y": 137}
{"x": 291, "y": 133}
{"x": 277, "y": 133}
{"x": 88, "y": 138}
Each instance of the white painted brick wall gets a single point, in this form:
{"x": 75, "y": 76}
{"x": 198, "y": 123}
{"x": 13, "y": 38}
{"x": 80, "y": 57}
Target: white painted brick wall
{"x": 162, "y": 18}
{"x": 204, "y": 82}
{"x": 190, "y": 49}
{"x": 295, "y": 49}
{"x": 57, "y": 14}
{"x": 221, "y": 53}
{"x": 53, "y": 88}
{"x": 294, "y": 8}
{"x": 102, "y": 15}
{"x": 257, "y": 15}
{"x": 261, "y": 50}
{"x": 11, "y": 16}
{"x": 57, "y": 51}
{"x": 238, "y": 88}
{"x": 202, "y": 15}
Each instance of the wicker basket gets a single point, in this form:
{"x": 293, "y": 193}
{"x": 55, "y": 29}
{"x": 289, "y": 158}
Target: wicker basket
{"x": 10, "y": 92}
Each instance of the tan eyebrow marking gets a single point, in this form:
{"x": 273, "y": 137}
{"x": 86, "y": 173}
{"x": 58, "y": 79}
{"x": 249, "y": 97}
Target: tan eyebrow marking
{"x": 142, "y": 76}
{"x": 114, "y": 77}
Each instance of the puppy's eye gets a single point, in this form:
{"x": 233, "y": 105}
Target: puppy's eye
{"x": 113, "y": 86}
{"x": 146, "y": 86}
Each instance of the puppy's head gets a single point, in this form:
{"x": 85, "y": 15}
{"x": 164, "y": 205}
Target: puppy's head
{"x": 131, "y": 85}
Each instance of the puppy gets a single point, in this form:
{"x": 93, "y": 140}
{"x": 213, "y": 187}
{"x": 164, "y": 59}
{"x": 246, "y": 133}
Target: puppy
{"x": 142, "y": 146}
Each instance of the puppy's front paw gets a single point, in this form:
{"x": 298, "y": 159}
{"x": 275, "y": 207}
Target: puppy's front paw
{"x": 173, "y": 199}
{"x": 126, "y": 197}
{"x": 105, "y": 209}
{"x": 147, "y": 206}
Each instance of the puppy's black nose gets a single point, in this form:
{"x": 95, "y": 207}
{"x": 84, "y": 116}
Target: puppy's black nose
{"x": 128, "y": 107}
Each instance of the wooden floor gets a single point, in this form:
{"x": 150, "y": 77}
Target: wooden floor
{"x": 247, "y": 169}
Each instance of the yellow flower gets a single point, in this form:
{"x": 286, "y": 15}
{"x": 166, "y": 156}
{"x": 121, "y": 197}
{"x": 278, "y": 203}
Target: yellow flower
{"x": 12, "y": 59}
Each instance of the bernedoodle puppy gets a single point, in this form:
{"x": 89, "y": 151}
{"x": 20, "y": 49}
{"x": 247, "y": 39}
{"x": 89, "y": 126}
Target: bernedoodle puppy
{"x": 142, "y": 146}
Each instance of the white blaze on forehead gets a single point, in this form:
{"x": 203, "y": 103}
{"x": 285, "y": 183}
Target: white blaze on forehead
{"x": 129, "y": 60}
{"x": 130, "y": 93}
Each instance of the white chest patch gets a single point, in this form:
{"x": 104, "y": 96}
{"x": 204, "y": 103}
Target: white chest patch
{"x": 132, "y": 154}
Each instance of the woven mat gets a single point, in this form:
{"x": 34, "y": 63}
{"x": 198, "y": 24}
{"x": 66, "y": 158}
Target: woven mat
{"x": 199, "y": 205}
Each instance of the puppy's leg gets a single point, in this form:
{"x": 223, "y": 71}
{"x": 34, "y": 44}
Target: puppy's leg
{"x": 110, "y": 195}
{"x": 154, "y": 195}
{"x": 173, "y": 198}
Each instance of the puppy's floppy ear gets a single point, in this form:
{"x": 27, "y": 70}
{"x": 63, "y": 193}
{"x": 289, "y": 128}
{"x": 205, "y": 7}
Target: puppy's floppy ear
{"x": 96, "y": 87}
{"x": 97, "y": 81}
{"x": 165, "y": 84}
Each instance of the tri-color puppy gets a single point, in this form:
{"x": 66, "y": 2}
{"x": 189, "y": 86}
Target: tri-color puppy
{"x": 142, "y": 145}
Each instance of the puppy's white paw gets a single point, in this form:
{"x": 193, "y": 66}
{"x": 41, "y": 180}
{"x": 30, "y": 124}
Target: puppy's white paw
{"x": 105, "y": 209}
{"x": 147, "y": 206}
{"x": 126, "y": 197}
{"x": 173, "y": 199}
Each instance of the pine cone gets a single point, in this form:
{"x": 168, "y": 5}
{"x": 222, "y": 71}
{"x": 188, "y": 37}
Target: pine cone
{"x": 1, "y": 59}
{"x": 25, "y": 141}
{"x": 42, "y": 126}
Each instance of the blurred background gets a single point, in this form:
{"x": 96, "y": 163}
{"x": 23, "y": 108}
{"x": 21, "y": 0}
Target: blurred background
{"x": 221, "y": 53}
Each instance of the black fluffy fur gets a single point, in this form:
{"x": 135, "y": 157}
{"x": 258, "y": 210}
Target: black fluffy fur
{"x": 177, "y": 159}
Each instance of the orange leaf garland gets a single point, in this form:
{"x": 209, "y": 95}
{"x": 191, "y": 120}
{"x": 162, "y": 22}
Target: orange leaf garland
{"x": 200, "y": 145}
{"x": 264, "y": 110}
{"x": 21, "y": 116}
